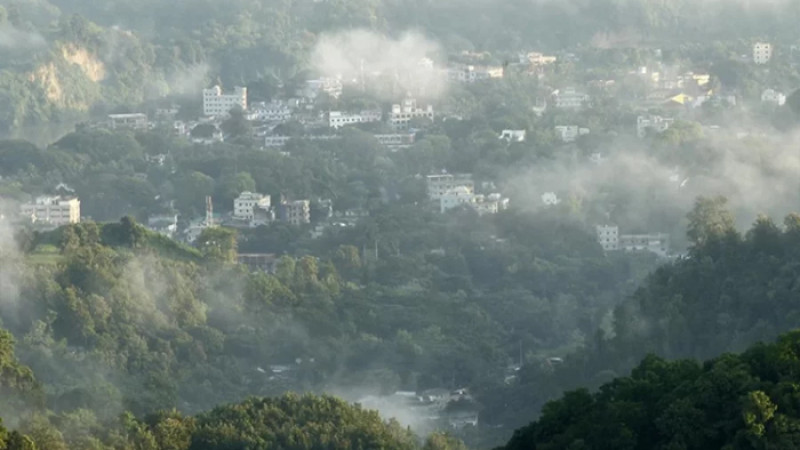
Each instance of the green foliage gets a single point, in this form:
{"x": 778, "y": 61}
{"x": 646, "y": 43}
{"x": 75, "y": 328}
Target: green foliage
{"x": 733, "y": 402}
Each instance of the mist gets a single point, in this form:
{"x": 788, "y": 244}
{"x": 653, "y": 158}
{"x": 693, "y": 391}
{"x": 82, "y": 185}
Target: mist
{"x": 381, "y": 59}
{"x": 640, "y": 188}
{"x": 12, "y": 38}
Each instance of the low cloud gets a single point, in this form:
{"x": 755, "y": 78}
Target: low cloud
{"x": 388, "y": 64}
{"x": 12, "y": 38}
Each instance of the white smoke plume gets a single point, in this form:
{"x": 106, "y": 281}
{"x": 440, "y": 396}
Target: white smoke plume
{"x": 189, "y": 80}
{"x": 11, "y": 263}
{"x": 378, "y": 60}
{"x": 12, "y": 38}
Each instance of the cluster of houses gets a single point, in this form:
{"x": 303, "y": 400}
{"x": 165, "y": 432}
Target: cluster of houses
{"x": 438, "y": 407}
{"x": 449, "y": 191}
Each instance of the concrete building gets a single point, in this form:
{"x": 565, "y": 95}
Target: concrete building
{"x": 569, "y": 133}
{"x": 166, "y": 224}
{"x": 404, "y": 112}
{"x": 773, "y": 97}
{"x": 470, "y": 74}
{"x": 490, "y": 204}
{"x": 539, "y": 59}
{"x": 570, "y": 98}
{"x": 338, "y": 119}
{"x": 657, "y": 124}
{"x": 276, "y": 141}
{"x": 458, "y": 196}
{"x": 275, "y": 111}
{"x": 297, "y": 212}
{"x": 397, "y": 141}
{"x": 136, "y": 121}
{"x": 608, "y": 237}
{"x": 657, "y": 243}
{"x": 246, "y": 204}
{"x": 330, "y": 86}
{"x": 52, "y": 211}
{"x": 438, "y": 185}
{"x": 513, "y": 135}
{"x": 217, "y": 103}
{"x": 762, "y": 52}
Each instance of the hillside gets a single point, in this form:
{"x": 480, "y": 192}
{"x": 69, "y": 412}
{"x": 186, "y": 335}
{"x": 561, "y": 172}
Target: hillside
{"x": 746, "y": 401}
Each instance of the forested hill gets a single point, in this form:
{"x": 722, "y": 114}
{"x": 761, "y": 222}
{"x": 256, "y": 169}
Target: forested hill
{"x": 730, "y": 291}
{"x": 65, "y": 60}
{"x": 747, "y": 401}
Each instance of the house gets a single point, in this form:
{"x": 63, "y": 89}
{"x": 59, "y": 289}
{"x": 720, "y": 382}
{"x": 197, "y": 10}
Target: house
{"x": 657, "y": 124}
{"x": 397, "y": 141}
{"x": 464, "y": 73}
{"x": 657, "y": 243}
{"x": 490, "y": 204}
{"x": 297, "y": 212}
{"x": 458, "y": 196}
{"x": 258, "y": 262}
{"x": 135, "y": 121}
{"x": 338, "y": 119}
{"x": 274, "y": 111}
{"x": 539, "y": 59}
{"x": 330, "y": 86}
{"x": 217, "y": 103}
{"x": 51, "y": 211}
{"x": 569, "y": 133}
{"x": 404, "y": 112}
{"x": 570, "y": 98}
{"x": 246, "y": 204}
{"x": 513, "y": 135}
{"x": 608, "y": 237}
{"x": 166, "y": 224}
{"x": 439, "y": 184}
{"x": 773, "y": 97}
{"x": 276, "y": 141}
{"x": 762, "y": 52}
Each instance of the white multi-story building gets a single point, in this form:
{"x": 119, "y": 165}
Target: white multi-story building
{"x": 337, "y": 119}
{"x": 275, "y": 111}
{"x": 440, "y": 184}
{"x": 297, "y": 212}
{"x": 513, "y": 135}
{"x": 657, "y": 243}
{"x": 471, "y": 74}
{"x": 52, "y": 211}
{"x": 166, "y": 224}
{"x": 217, "y": 103}
{"x": 608, "y": 237}
{"x": 276, "y": 141}
{"x": 570, "y": 98}
{"x": 330, "y": 86}
{"x": 762, "y": 52}
{"x": 402, "y": 113}
{"x": 657, "y": 124}
{"x": 773, "y": 97}
{"x": 246, "y": 204}
{"x": 396, "y": 141}
{"x": 569, "y": 133}
{"x": 490, "y": 204}
{"x": 538, "y": 59}
{"x": 135, "y": 121}
{"x": 458, "y": 196}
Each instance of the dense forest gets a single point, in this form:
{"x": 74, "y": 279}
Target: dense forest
{"x": 746, "y": 401}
